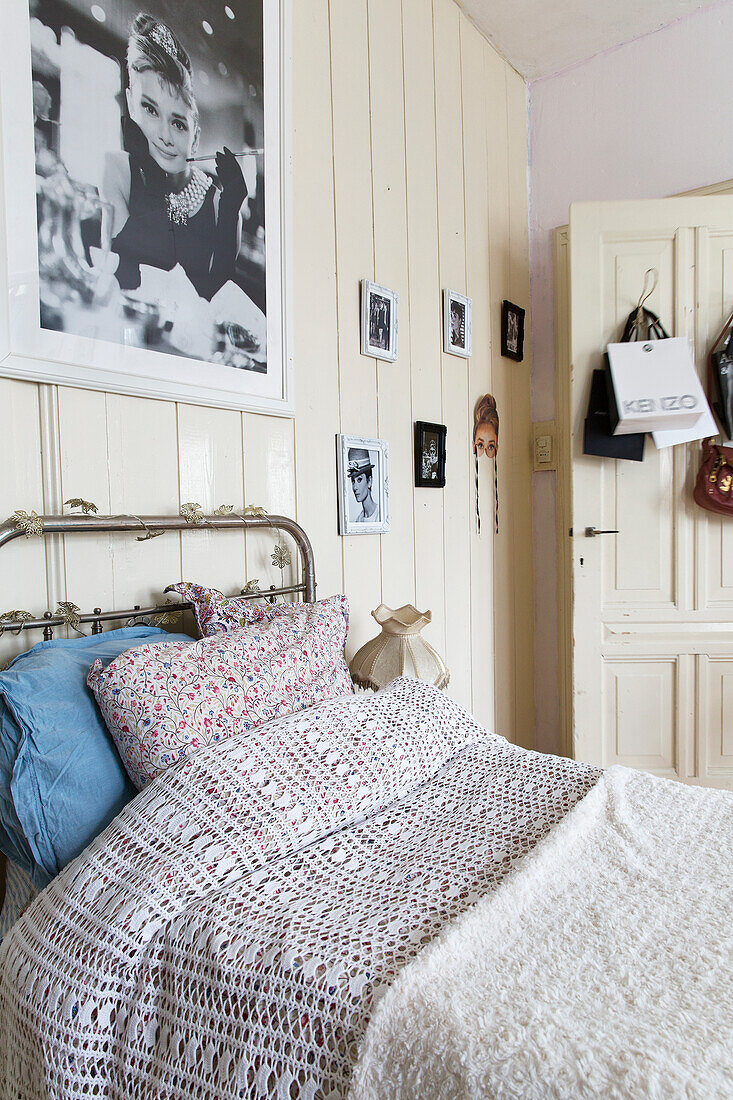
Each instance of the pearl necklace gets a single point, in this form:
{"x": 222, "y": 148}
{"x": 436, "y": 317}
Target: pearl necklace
{"x": 184, "y": 204}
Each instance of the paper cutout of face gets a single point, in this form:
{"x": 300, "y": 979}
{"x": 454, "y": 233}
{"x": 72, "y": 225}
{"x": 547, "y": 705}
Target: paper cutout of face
{"x": 486, "y": 427}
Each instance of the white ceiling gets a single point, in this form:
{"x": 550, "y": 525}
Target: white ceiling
{"x": 539, "y": 37}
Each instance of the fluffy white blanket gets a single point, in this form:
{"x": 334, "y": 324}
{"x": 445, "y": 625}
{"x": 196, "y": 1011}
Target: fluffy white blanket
{"x": 601, "y": 967}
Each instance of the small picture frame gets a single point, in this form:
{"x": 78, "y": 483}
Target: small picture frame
{"x": 456, "y": 323}
{"x": 378, "y": 321}
{"x": 363, "y": 485}
{"x": 512, "y": 331}
{"x": 430, "y": 455}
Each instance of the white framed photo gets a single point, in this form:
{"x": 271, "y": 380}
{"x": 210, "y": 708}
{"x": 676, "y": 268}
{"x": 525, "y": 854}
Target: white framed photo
{"x": 362, "y": 467}
{"x": 378, "y": 321}
{"x": 145, "y": 206}
{"x": 456, "y": 323}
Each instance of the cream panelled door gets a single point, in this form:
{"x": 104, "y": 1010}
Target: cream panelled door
{"x": 653, "y": 604}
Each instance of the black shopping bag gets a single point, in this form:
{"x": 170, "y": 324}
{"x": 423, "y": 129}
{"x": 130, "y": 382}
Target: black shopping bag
{"x": 598, "y": 437}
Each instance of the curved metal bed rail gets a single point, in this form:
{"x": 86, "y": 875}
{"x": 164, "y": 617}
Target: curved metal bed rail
{"x": 152, "y": 525}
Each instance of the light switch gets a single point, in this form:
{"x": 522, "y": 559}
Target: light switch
{"x": 543, "y": 451}
{"x": 544, "y": 445}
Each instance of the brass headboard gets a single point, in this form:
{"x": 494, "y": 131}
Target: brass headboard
{"x": 22, "y": 525}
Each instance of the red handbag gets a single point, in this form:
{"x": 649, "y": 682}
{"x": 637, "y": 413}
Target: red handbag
{"x": 714, "y": 482}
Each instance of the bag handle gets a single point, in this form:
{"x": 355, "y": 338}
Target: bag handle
{"x": 637, "y": 319}
{"x": 727, "y": 324}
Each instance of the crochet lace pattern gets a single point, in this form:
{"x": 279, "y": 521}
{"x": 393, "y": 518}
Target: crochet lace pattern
{"x": 229, "y": 933}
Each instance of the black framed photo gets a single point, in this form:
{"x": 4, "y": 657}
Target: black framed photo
{"x": 430, "y": 455}
{"x": 512, "y": 331}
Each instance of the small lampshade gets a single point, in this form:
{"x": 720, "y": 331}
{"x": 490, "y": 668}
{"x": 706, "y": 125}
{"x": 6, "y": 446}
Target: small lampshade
{"x": 399, "y": 650}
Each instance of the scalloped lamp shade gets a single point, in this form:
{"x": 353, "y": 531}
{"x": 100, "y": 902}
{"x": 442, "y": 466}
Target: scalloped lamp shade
{"x": 399, "y": 650}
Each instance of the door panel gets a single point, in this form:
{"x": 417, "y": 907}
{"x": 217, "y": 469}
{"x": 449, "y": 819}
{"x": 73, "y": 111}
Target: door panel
{"x": 653, "y": 603}
{"x": 637, "y": 565}
{"x": 640, "y": 714}
{"x": 715, "y": 678}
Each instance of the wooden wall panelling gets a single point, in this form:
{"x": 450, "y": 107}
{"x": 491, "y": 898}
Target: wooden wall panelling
{"x": 53, "y": 497}
{"x": 23, "y": 569}
{"x": 396, "y": 178}
{"x": 143, "y": 479}
{"x": 210, "y": 473}
{"x": 269, "y": 481}
{"x": 521, "y": 514}
{"x": 452, "y": 258}
{"x": 386, "y": 89}
{"x": 423, "y": 295}
{"x": 498, "y": 202}
{"x": 85, "y": 466}
{"x": 478, "y": 279}
{"x": 315, "y": 314}
{"x": 354, "y": 260}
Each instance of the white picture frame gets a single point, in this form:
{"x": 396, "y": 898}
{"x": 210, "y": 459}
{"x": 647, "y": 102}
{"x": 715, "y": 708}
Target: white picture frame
{"x": 456, "y": 323}
{"x": 32, "y": 351}
{"x": 362, "y": 466}
{"x": 379, "y": 321}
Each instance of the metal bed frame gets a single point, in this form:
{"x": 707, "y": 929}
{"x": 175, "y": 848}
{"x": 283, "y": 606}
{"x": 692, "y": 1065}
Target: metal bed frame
{"x": 86, "y": 524}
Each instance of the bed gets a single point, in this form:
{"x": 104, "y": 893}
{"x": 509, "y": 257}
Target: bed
{"x": 374, "y": 896}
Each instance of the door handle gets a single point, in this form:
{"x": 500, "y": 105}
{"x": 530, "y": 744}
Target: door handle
{"x": 591, "y": 532}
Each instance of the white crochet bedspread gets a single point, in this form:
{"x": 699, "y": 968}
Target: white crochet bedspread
{"x": 228, "y": 933}
{"x": 602, "y": 967}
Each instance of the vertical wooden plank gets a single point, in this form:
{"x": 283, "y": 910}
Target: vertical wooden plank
{"x": 498, "y": 203}
{"x": 424, "y": 298}
{"x": 521, "y": 485}
{"x": 23, "y": 565}
{"x": 390, "y": 261}
{"x": 315, "y": 321}
{"x": 83, "y": 434}
{"x": 143, "y": 479}
{"x": 269, "y": 478}
{"x": 354, "y": 261}
{"x": 478, "y": 279}
{"x": 210, "y": 472}
{"x": 452, "y": 258}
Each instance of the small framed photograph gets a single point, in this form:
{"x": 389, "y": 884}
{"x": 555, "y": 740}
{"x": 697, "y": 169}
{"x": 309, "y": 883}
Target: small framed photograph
{"x": 430, "y": 455}
{"x": 456, "y": 323}
{"x": 378, "y": 321}
{"x": 363, "y": 485}
{"x": 512, "y": 331}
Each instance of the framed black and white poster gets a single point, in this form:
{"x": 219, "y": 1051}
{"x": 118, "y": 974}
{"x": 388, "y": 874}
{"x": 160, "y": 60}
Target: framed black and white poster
{"x": 145, "y": 225}
{"x": 378, "y": 321}
{"x": 456, "y": 323}
{"x": 512, "y": 331}
{"x": 430, "y": 455}
{"x": 363, "y": 485}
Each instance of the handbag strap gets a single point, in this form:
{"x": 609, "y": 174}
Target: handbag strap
{"x": 728, "y": 324}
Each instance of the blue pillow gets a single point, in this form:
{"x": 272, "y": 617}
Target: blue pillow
{"x": 61, "y": 779}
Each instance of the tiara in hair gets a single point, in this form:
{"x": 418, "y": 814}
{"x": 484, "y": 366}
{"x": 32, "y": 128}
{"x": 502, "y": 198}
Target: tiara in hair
{"x": 165, "y": 40}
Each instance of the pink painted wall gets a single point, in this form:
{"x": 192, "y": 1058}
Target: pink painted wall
{"x": 645, "y": 120}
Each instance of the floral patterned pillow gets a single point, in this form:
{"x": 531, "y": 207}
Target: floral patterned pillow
{"x": 216, "y": 612}
{"x": 162, "y": 702}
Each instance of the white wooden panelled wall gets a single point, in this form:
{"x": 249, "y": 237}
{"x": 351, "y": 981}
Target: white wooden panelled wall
{"x": 409, "y": 161}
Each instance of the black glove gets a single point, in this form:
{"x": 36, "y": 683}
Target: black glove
{"x": 233, "y": 187}
{"x": 135, "y": 143}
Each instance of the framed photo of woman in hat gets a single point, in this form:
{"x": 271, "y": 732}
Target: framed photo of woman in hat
{"x": 363, "y": 485}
